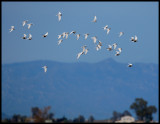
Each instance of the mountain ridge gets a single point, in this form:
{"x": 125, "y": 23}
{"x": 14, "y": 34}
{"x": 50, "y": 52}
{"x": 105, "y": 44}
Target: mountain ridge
{"x": 77, "y": 88}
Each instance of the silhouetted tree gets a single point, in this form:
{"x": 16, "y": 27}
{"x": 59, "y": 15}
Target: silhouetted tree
{"x": 62, "y": 120}
{"x": 125, "y": 113}
{"x": 16, "y": 118}
{"x": 142, "y": 111}
{"x": 150, "y": 110}
{"x": 116, "y": 116}
{"x": 40, "y": 115}
{"x": 80, "y": 119}
{"x": 91, "y": 119}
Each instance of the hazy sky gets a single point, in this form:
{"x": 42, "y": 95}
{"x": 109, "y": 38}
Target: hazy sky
{"x": 132, "y": 18}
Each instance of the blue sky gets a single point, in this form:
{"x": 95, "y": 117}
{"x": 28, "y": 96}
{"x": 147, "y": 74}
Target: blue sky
{"x": 132, "y": 18}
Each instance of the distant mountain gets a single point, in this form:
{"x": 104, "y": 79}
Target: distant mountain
{"x": 78, "y": 88}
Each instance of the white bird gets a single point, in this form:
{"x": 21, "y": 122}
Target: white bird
{"x": 30, "y": 37}
{"x": 108, "y": 30}
{"x": 59, "y": 16}
{"x": 24, "y": 22}
{"x": 45, "y": 68}
{"x": 95, "y": 19}
{"x": 78, "y": 35}
{"x": 94, "y": 39}
{"x": 117, "y": 53}
{"x": 45, "y": 35}
{"x": 85, "y": 36}
{"x": 105, "y": 27}
{"x": 121, "y": 33}
{"x": 114, "y": 45}
{"x": 134, "y": 39}
{"x": 84, "y": 48}
{"x": 29, "y": 25}
{"x": 12, "y": 28}
{"x": 24, "y": 37}
{"x": 109, "y": 48}
{"x": 79, "y": 54}
{"x": 98, "y": 47}
{"x": 130, "y": 65}
{"x": 60, "y": 41}
{"x": 86, "y": 51}
{"x": 73, "y": 32}
{"x": 66, "y": 34}
{"x": 120, "y": 50}
{"x": 59, "y": 36}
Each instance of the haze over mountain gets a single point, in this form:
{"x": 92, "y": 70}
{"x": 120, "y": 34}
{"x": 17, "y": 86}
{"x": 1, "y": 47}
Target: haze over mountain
{"x": 78, "y": 88}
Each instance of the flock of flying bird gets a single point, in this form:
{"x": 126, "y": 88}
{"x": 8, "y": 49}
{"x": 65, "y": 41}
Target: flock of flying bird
{"x": 84, "y": 49}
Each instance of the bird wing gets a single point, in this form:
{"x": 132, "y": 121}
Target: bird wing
{"x": 79, "y": 54}
{"x": 95, "y": 19}
{"x": 135, "y": 38}
{"x": 86, "y": 35}
{"x": 108, "y": 30}
{"x": 109, "y": 46}
{"x": 29, "y": 25}
{"x": 59, "y": 36}
{"x": 66, "y": 35}
{"x": 12, "y": 27}
{"x": 78, "y": 35}
{"x": 30, "y": 36}
{"x": 59, "y": 17}
{"x": 59, "y": 42}
{"x": 45, "y": 69}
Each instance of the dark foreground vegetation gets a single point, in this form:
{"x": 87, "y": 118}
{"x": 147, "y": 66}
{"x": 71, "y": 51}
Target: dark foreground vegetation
{"x": 143, "y": 113}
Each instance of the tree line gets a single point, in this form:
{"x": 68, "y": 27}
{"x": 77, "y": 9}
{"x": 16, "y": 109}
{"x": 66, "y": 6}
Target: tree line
{"x": 140, "y": 108}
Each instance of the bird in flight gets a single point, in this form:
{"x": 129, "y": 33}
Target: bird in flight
{"x": 134, "y": 39}
{"x": 78, "y": 35}
{"x": 114, "y": 45}
{"x": 99, "y": 45}
{"x": 66, "y": 34}
{"x": 60, "y": 41}
{"x": 94, "y": 39}
{"x": 120, "y": 50}
{"x": 121, "y": 33}
{"x": 73, "y": 32}
{"x": 85, "y": 36}
{"x": 45, "y": 35}
{"x": 59, "y": 16}
{"x": 117, "y": 53}
{"x": 29, "y": 25}
{"x": 24, "y": 22}
{"x": 24, "y": 37}
{"x": 95, "y": 19}
{"x": 108, "y": 30}
{"x": 129, "y": 65}
{"x": 45, "y": 68}
{"x": 109, "y": 48}
{"x": 30, "y": 37}
{"x": 79, "y": 54}
{"x": 12, "y": 28}
{"x": 59, "y": 36}
{"x": 105, "y": 27}
{"x": 84, "y": 51}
